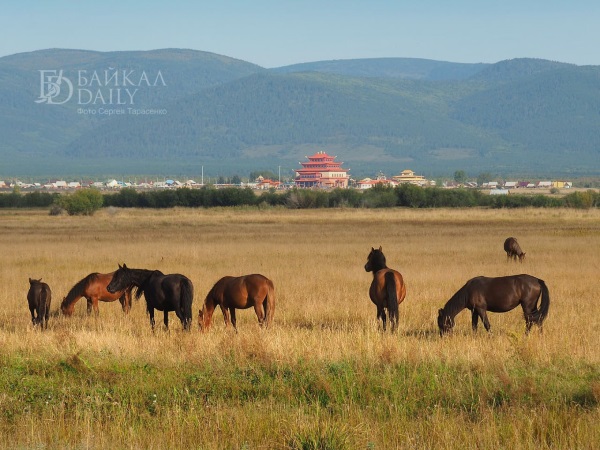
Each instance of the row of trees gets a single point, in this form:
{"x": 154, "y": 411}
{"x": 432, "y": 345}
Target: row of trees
{"x": 87, "y": 201}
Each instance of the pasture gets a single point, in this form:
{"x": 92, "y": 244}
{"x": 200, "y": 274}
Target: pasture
{"x": 323, "y": 376}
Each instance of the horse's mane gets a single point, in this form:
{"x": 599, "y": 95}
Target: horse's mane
{"x": 141, "y": 287}
{"x": 77, "y": 291}
{"x": 457, "y": 302}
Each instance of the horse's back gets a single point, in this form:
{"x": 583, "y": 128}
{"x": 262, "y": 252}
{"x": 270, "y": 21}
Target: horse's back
{"x": 501, "y": 294}
{"x": 246, "y": 290}
{"x": 378, "y": 290}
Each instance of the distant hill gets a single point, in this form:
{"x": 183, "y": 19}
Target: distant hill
{"x": 412, "y": 68}
{"x": 230, "y": 116}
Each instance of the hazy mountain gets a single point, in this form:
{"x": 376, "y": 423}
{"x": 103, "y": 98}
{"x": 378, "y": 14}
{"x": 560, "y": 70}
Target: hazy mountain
{"x": 516, "y": 116}
{"x": 413, "y": 68}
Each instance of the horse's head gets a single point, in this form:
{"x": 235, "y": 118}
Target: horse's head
{"x": 445, "y": 322}
{"x": 204, "y": 319}
{"x": 375, "y": 260}
{"x": 32, "y": 281}
{"x": 120, "y": 280}
{"x": 522, "y": 257}
{"x": 67, "y": 310}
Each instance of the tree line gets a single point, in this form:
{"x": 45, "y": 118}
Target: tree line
{"x": 87, "y": 201}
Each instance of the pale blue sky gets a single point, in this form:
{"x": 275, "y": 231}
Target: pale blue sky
{"x": 276, "y": 33}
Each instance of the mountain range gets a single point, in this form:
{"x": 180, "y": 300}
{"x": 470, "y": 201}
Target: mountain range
{"x": 175, "y": 111}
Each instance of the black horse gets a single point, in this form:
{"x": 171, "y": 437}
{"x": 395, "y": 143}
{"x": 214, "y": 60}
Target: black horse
{"x": 39, "y": 297}
{"x": 173, "y": 292}
{"x": 501, "y": 294}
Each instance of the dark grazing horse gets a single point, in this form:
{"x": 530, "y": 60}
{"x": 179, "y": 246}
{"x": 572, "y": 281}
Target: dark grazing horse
{"x": 173, "y": 292}
{"x": 387, "y": 289}
{"x": 231, "y": 293}
{"x": 93, "y": 288}
{"x": 513, "y": 249}
{"x": 39, "y": 297}
{"x": 501, "y": 294}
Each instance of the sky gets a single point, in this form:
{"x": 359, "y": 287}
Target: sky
{"x": 277, "y": 33}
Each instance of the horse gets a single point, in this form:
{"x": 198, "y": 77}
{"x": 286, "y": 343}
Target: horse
{"x": 173, "y": 292}
{"x": 501, "y": 294}
{"x": 513, "y": 249}
{"x": 231, "y": 293}
{"x": 387, "y": 289}
{"x": 39, "y": 297}
{"x": 93, "y": 288}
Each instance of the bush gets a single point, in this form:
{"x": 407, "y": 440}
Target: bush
{"x": 84, "y": 202}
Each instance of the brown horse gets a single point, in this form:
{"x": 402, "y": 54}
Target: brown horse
{"x": 513, "y": 249}
{"x": 93, "y": 288}
{"x": 231, "y": 293}
{"x": 39, "y": 297}
{"x": 501, "y": 294}
{"x": 387, "y": 289}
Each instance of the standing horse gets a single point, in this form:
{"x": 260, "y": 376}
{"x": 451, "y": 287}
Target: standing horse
{"x": 501, "y": 294}
{"x": 231, "y": 293}
{"x": 513, "y": 249}
{"x": 174, "y": 292}
{"x": 93, "y": 288}
{"x": 39, "y": 297}
{"x": 387, "y": 289}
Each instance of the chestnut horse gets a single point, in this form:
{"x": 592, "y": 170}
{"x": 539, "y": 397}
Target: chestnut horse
{"x": 93, "y": 288}
{"x": 501, "y": 294}
{"x": 173, "y": 292}
{"x": 387, "y": 289}
{"x": 231, "y": 293}
{"x": 39, "y": 297}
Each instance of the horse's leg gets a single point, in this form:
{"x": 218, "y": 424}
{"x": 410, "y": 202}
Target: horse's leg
{"x": 474, "y": 319}
{"x": 381, "y": 315}
{"x": 484, "y": 318}
{"x": 95, "y": 306}
{"x": 233, "y": 322}
{"x": 166, "y": 319}
{"x": 32, "y": 310}
{"x": 89, "y": 305}
{"x": 260, "y": 313}
{"x": 151, "y": 314}
{"x": 225, "y": 315}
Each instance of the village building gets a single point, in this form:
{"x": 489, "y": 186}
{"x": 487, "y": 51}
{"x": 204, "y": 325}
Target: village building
{"x": 321, "y": 171}
{"x": 266, "y": 183}
{"x": 408, "y": 176}
{"x": 381, "y": 180}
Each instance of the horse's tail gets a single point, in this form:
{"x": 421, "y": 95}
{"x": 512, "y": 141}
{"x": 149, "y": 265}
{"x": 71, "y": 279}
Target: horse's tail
{"x": 542, "y": 312}
{"x": 269, "y": 305}
{"x": 187, "y": 297}
{"x": 392, "y": 298}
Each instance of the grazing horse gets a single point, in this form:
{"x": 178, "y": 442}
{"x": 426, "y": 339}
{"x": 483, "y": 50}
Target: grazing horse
{"x": 39, "y": 297}
{"x": 93, "y": 288}
{"x": 387, "y": 289}
{"x": 174, "y": 292}
{"x": 231, "y": 293}
{"x": 513, "y": 249}
{"x": 501, "y": 294}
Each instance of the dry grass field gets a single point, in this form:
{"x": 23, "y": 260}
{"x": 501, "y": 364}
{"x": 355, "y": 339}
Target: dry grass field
{"x": 323, "y": 376}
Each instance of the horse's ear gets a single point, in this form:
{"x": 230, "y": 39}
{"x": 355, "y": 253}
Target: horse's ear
{"x": 124, "y": 266}
{"x": 372, "y": 249}
{"x": 119, "y": 266}
{"x": 30, "y": 281}
{"x": 380, "y": 248}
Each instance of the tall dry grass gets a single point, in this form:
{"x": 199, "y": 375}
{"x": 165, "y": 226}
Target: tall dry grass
{"x": 324, "y": 376}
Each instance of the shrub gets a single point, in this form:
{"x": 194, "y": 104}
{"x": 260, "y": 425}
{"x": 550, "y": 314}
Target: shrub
{"x": 84, "y": 202}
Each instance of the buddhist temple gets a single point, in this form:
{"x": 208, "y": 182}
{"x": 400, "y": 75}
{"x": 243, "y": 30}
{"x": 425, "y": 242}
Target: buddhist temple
{"x": 322, "y": 171}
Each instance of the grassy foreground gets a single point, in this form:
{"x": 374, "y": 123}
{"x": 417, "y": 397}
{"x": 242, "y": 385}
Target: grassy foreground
{"x": 324, "y": 377}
